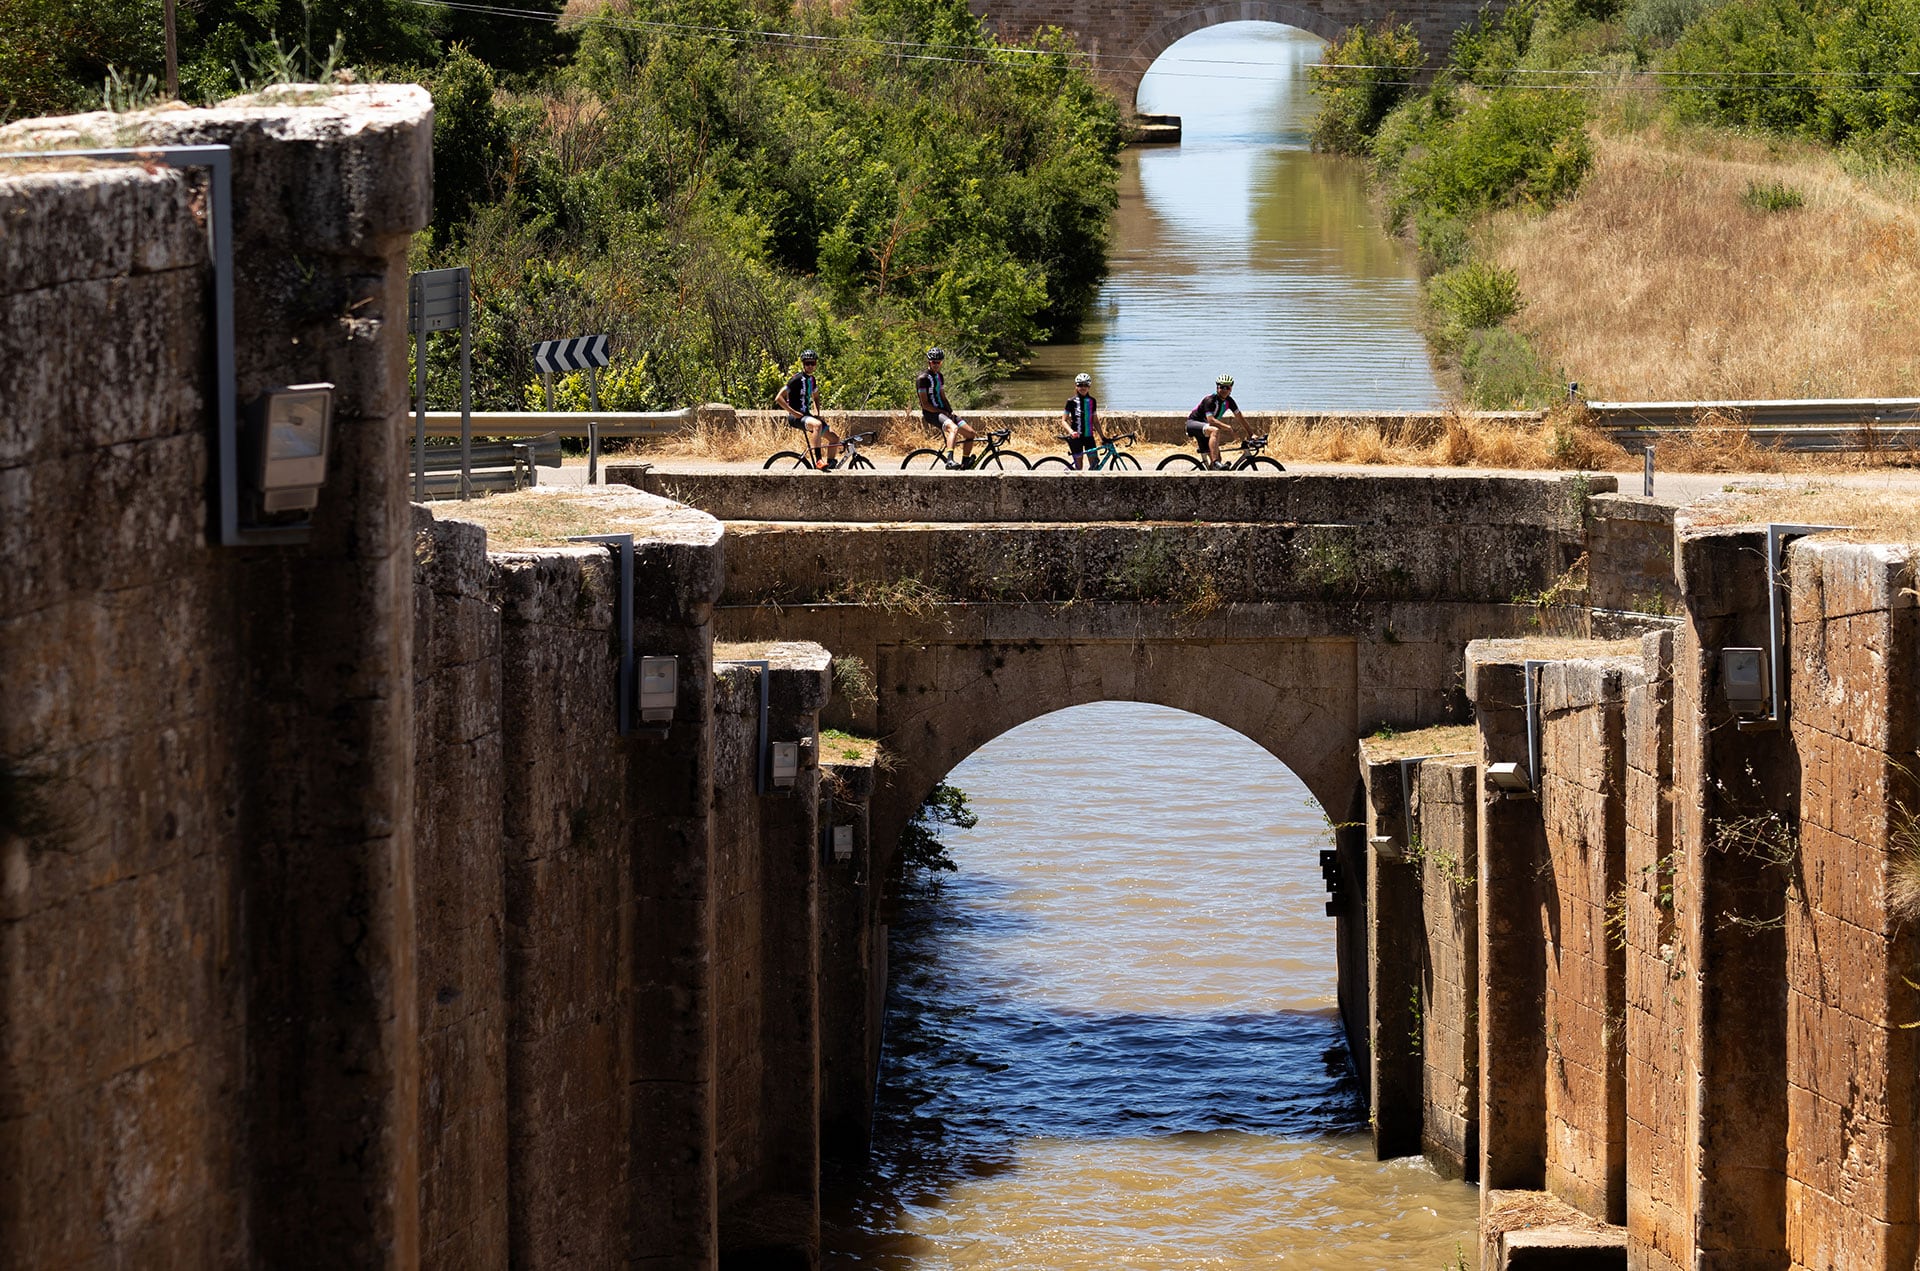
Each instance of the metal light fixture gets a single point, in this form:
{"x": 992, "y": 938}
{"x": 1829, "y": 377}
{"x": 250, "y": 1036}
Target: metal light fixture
{"x": 659, "y": 688}
{"x": 1509, "y": 780}
{"x": 288, "y": 433}
{"x": 1743, "y": 676}
{"x": 842, "y": 843}
{"x": 786, "y": 764}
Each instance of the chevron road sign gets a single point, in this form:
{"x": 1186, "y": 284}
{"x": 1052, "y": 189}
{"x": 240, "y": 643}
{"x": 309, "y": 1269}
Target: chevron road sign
{"x": 578, "y": 354}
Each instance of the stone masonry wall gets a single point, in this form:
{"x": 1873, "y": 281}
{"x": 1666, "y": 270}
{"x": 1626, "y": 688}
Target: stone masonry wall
{"x": 1581, "y": 788}
{"x": 206, "y": 959}
{"x": 569, "y": 886}
{"x": 1658, "y": 1178}
{"x": 1853, "y": 1057}
{"x": 460, "y": 910}
{"x": 1446, "y": 804}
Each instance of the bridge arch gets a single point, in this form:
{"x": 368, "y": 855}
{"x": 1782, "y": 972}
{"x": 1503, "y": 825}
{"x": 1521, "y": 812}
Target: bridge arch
{"x": 1179, "y": 24}
{"x": 940, "y": 704}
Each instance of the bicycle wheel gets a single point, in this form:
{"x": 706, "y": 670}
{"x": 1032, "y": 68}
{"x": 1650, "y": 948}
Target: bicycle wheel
{"x": 1179, "y": 463}
{"x": 859, "y": 463}
{"x": 1124, "y": 462}
{"x": 1011, "y": 460}
{"x": 788, "y": 459}
{"x": 1050, "y": 461}
{"x": 1263, "y": 463}
{"x": 924, "y": 460}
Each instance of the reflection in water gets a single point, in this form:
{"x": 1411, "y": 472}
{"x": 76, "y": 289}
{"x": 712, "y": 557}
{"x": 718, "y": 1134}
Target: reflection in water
{"x": 1240, "y": 250}
{"x": 1111, "y": 1039}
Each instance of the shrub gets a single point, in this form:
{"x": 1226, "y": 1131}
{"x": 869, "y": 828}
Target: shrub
{"x": 1502, "y": 371}
{"x": 1475, "y": 295}
{"x": 1353, "y": 102}
{"x": 1444, "y": 241}
{"x": 1772, "y": 196}
{"x": 920, "y": 845}
{"x": 1658, "y": 23}
{"x": 1514, "y": 146}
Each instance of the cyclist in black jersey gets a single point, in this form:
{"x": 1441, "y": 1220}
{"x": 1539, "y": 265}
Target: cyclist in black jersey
{"x": 938, "y": 411}
{"x": 1207, "y": 422}
{"x": 800, "y": 398}
{"x": 1083, "y": 430}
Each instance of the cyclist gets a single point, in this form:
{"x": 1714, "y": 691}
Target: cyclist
{"x": 1082, "y": 428}
{"x": 1207, "y": 421}
{"x": 938, "y": 411}
{"x": 800, "y": 398}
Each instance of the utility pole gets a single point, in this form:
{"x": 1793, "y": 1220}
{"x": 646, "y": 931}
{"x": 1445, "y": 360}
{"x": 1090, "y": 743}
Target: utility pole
{"x": 173, "y": 56}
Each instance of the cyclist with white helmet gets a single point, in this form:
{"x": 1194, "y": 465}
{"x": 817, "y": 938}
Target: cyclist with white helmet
{"x": 939, "y": 412}
{"x": 1207, "y": 422}
{"x": 800, "y": 398}
{"x": 1082, "y": 424}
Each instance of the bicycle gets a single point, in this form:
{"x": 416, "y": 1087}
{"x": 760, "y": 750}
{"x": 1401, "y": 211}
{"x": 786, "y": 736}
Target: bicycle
{"x": 1100, "y": 458}
{"x": 996, "y": 455}
{"x": 1250, "y": 457}
{"x": 850, "y": 456}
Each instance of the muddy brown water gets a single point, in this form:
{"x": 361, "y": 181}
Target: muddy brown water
{"x": 1241, "y": 251}
{"x": 1111, "y": 1036}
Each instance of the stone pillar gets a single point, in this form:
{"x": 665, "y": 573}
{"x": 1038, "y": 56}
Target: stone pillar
{"x": 1396, "y": 963}
{"x": 675, "y": 1198}
{"x": 1735, "y": 793}
{"x": 852, "y": 958}
{"x": 1853, "y": 1055}
{"x": 461, "y": 906}
{"x": 1582, "y": 795}
{"x": 1659, "y": 1182}
{"x": 1449, "y": 805}
{"x": 1513, "y": 1108}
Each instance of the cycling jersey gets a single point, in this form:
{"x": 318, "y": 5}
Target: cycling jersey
{"x": 1213, "y": 406}
{"x": 934, "y": 385}
{"x": 1081, "y": 412}
{"x": 803, "y": 394}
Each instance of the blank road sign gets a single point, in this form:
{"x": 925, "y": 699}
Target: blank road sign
{"x": 439, "y": 300}
{"x": 578, "y": 354}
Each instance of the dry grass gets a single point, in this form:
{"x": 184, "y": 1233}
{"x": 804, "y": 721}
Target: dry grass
{"x": 1873, "y": 516}
{"x": 748, "y": 438}
{"x": 1561, "y": 441}
{"x": 1660, "y": 282}
{"x": 548, "y": 517}
{"x": 1441, "y": 739}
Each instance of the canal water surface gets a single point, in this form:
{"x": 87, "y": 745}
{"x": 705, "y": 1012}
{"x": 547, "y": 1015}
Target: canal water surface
{"x": 1111, "y": 1036}
{"x": 1241, "y": 251}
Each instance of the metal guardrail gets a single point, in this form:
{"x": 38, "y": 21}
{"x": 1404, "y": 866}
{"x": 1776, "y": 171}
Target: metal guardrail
{"x": 570, "y": 423}
{"x": 1851, "y": 425}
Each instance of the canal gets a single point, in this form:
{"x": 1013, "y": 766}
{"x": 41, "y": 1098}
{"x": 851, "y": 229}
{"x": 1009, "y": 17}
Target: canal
{"x": 1111, "y": 1035}
{"x": 1241, "y": 251}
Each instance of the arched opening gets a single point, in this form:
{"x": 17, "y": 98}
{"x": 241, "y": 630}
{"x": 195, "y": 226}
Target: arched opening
{"x": 1112, "y": 1037}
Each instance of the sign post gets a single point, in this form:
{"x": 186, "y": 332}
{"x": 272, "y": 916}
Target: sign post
{"x": 441, "y": 300}
{"x": 582, "y": 353}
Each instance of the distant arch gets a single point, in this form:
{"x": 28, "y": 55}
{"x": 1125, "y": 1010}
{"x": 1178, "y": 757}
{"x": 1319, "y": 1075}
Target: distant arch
{"x": 1295, "y": 700}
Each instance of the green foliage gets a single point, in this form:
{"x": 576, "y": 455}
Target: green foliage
{"x": 1837, "y": 72}
{"x": 1658, "y": 23}
{"x": 1515, "y": 145}
{"x": 1361, "y": 77}
{"x": 55, "y": 55}
{"x": 1502, "y": 371}
{"x": 1772, "y": 196}
{"x": 1445, "y": 242}
{"x": 920, "y": 845}
{"x": 1474, "y": 295}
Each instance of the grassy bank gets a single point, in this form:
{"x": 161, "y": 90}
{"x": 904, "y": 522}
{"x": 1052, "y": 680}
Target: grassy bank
{"x": 1656, "y": 199}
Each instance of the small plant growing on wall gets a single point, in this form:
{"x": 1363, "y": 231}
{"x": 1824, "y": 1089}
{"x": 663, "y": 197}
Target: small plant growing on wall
{"x": 853, "y": 680}
{"x": 920, "y": 844}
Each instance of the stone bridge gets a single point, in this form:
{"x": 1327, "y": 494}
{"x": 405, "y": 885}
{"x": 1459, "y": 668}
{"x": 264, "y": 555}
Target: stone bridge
{"x": 1125, "y": 36}
{"x": 1300, "y": 611}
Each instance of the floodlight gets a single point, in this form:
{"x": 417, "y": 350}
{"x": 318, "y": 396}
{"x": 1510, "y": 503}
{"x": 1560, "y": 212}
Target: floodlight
{"x": 289, "y": 431}
{"x": 659, "y": 688}
{"x": 1743, "y": 675}
{"x": 1508, "y": 778}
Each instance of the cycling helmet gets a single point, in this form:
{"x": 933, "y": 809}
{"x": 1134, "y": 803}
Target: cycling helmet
{"x": 936, "y": 354}
{"x": 809, "y": 356}
{"x": 1082, "y": 378}
{"x": 1223, "y": 381}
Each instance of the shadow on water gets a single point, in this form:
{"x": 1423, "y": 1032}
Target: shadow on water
{"x": 971, "y": 1074}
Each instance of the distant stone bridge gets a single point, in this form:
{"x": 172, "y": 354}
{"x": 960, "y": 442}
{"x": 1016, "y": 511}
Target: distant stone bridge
{"x": 1125, "y": 36}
